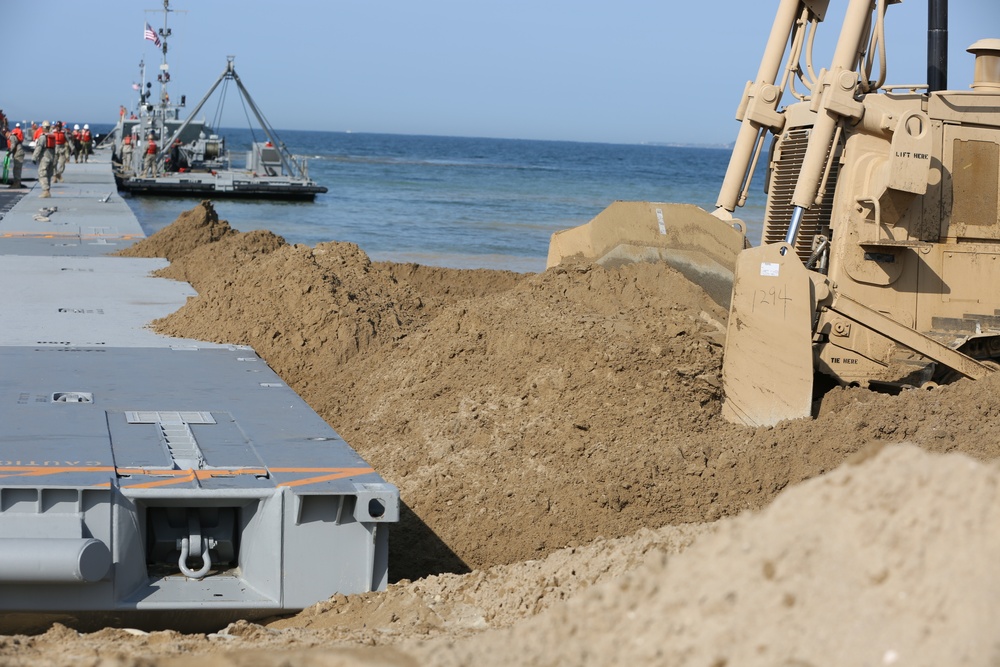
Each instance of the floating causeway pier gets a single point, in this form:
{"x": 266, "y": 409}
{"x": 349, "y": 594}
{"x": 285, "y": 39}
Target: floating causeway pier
{"x": 147, "y": 480}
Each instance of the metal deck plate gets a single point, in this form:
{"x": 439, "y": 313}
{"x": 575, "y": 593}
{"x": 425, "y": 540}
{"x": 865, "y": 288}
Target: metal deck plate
{"x": 152, "y": 480}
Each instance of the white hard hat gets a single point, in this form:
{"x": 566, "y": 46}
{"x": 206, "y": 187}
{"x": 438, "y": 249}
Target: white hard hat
{"x": 76, "y": 127}
{"x": 86, "y": 127}
{"x": 17, "y": 125}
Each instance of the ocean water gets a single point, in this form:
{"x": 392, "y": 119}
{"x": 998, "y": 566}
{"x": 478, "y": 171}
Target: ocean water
{"x": 462, "y": 202}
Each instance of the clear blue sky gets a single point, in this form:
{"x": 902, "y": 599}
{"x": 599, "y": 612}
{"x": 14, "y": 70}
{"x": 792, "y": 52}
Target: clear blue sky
{"x": 624, "y": 71}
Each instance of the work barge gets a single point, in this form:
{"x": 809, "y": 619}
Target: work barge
{"x": 150, "y": 481}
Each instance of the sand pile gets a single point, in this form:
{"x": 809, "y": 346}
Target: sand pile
{"x": 191, "y": 230}
{"x": 537, "y": 409}
{"x": 887, "y": 562}
{"x": 526, "y": 417}
{"x": 534, "y": 418}
{"x": 522, "y": 414}
{"x": 292, "y": 303}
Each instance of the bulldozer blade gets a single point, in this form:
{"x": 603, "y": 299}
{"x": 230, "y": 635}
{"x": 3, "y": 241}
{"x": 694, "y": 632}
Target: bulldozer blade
{"x": 696, "y": 243}
{"x": 767, "y": 371}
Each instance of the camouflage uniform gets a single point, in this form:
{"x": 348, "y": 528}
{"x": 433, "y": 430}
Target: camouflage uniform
{"x": 86, "y": 144}
{"x": 149, "y": 166}
{"x": 77, "y": 143}
{"x": 45, "y": 157}
{"x": 62, "y": 153}
{"x": 127, "y": 149}
{"x": 15, "y": 148}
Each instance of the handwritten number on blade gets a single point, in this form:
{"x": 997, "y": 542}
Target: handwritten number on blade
{"x": 774, "y": 297}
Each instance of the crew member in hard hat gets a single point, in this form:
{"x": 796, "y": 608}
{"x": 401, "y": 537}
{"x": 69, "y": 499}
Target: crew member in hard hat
{"x": 86, "y": 143}
{"x": 77, "y": 145}
{"x": 15, "y": 149}
{"x": 62, "y": 149}
{"x": 45, "y": 157}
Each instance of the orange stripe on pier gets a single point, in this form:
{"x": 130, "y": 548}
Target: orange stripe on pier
{"x": 172, "y": 476}
{"x": 340, "y": 474}
{"x": 41, "y": 471}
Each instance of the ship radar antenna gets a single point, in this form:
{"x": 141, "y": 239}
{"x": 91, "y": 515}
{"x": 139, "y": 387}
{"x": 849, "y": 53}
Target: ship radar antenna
{"x": 164, "y": 34}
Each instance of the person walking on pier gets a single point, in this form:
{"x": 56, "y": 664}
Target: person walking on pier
{"x": 149, "y": 159}
{"x": 15, "y": 149}
{"x": 77, "y": 145}
{"x": 45, "y": 157}
{"x": 86, "y": 143}
{"x": 62, "y": 150}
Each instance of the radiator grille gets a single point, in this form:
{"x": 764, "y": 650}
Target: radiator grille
{"x": 790, "y": 153}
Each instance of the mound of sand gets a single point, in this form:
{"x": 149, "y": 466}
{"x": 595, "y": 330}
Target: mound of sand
{"x": 191, "y": 230}
{"x": 517, "y": 414}
{"x": 887, "y": 562}
{"x": 545, "y": 430}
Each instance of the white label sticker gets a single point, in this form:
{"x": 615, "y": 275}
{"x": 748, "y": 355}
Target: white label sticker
{"x": 659, "y": 218}
{"x": 769, "y": 269}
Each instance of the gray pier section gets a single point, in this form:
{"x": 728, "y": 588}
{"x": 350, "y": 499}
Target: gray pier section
{"x": 153, "y": 481}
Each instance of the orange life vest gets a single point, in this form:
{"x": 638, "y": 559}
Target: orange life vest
{"x": 60, "y": 137}
{"x": 50, "y": 140}
{"x": 85, "y": 135}
{"x": 151, "y": 148}
{"x": 18, "y": 133}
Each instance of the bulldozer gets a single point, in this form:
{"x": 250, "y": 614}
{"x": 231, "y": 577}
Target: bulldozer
{"x": 879, "y": 261}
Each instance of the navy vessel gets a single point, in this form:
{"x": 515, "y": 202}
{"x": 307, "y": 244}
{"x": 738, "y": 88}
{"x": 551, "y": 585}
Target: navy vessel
{"x": 189, "y": 158}
{"x": 148, "y": 480}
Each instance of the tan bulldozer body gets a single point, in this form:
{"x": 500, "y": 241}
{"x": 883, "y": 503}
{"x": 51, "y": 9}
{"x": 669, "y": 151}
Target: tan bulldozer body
{"x": 879, "y": 262}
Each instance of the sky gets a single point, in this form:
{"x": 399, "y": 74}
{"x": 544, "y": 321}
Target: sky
{"x": 627, "y": 71}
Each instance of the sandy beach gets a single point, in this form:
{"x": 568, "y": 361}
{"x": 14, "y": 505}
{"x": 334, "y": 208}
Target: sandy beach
{"x": 571, "y": 495}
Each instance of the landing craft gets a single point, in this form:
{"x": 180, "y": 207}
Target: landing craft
{"x": 189, "y": 158}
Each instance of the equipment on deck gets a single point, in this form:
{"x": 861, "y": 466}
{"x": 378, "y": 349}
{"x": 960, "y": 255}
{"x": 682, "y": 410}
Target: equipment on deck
{"x": 880, "y": 252}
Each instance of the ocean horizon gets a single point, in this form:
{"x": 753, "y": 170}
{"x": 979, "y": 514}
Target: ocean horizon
{"x": 461, "y": 202}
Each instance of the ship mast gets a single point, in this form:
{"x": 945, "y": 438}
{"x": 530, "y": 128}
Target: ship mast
{"x": 141, "y": 110}
{"x": 164, "y": 76}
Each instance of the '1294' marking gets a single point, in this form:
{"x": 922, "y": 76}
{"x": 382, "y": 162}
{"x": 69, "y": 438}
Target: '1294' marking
{"x": 774, "y": 297}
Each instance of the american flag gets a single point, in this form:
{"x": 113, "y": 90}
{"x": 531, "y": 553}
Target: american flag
{"x": 151, "y": 35}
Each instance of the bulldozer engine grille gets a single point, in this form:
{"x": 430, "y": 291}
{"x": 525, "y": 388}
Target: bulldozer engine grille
{"x": 789, "y": 154}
